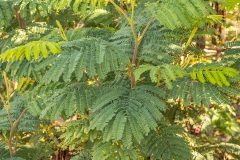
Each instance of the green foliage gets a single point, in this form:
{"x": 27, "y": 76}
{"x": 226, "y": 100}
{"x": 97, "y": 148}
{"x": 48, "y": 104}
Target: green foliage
{"x": 47, "y": 7}
{"x": 75, "y": 98}
{"x": 6, "y": 14}
{"x": 20, "y": 37}
{"x": 232, "y": 56}
{"x": 214, "y": 75}
{"x": 3, "y": 150}
{"x": 231, "y": 148}
{"x": 90, "y": 56}
{"x": 171, "y": 142}
{"x": 28, "y": 123}
{"x": 200, "y": 93}
{"x": 116, "y": 80}
{"x": 77, "y": 134}
{"x": 186, "y": 13}
{"x": 88, "y": 32}
{"x": 15, "y": 158}
{"x": 127, "y": 115}
{"x": 166, "y": 72}
{"x": 100, "y": 16}
{"x": 108, "y": 151}
{"x": 83, "y": 156}
{"x": 24, "y": 68}
{"x": 223, "y": 117}
{"x": 230, "y": 4}
{"x": 32, "y": 49}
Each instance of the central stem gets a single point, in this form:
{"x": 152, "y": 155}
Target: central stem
{"x": 137, "y": 39}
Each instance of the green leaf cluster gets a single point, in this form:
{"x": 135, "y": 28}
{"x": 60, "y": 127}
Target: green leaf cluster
{"x": 166, "y": 72}
{"x": 214, "y": 75}
{"x": 31, "y": 49}
{"x": 116, "y": 80}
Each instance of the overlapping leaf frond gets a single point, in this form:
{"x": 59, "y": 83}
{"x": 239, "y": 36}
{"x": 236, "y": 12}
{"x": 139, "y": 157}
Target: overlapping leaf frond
{"x": 76, "y": 98}
{"x": 113, "y": 121}
{"x": 108, "y": 151}
{"x": 3, "y": 150}
{"x": 180, "y": 13}
{"x": 165, "y": 72}
{"x": 28, "y": 123}
{"x": 214, "y": 75}
{"x": 169, "y": 142}
{"x": 35, "y": 69}
{"x": 159, "y": 43}
{"x": 20, "y": 37}
{"x": 31, "y": 10}
{"x": 125, "y": 114}
{"x": 6, "y": 14}
{"x": 123, "y": 39}
{"x": 87, "y": 32}
{"x": 100, "y": 16}
{"x": 24, "y": 68}
{"x": 87, "y": 56}
{"x": 231, "y": 56}
{"x": 31, "y": 49}
{"x": 77, "y": 134}
{"x": 202, "y": 93}
{"x": 46, "y": 7}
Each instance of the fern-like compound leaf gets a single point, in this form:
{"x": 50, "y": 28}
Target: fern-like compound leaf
{"x": 119, "y": 125}
{"x": 192, "y": 12}
{"x": 87, "y": 56}
{"x": 107, "y": 151}
{"x": 27, "y": 123}
{"x": 132, "y": 116}
{"x": 74, "y": 98}
{"x": 214, "y": 75}
{"x": 165, "y": 72}
{"x": 31, "y": 49}
{"x": 6, "y": 14}
{"x": 194, "y": 92}
{"x": 166, "y": 143}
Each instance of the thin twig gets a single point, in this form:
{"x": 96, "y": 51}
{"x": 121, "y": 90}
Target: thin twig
{"x": 133, "y": 6}
{"x": 139, "y": 39}
{"x": 146, "y": 28}
{"x": 19, "y": 118}
{"x": 13, "y": 126}
{"x": 11, "y": 132}
{"x": 7, "y": 107}
{"x": 99, "y": 84}
{"x": 130, "y": 21}
{"x": 120, "y": 10}
{"x": 137, "y": 43}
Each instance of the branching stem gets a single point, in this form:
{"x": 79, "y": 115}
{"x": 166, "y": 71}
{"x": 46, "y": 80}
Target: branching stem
{"x": 137, "y": 43}
{"x": 137, "y": 39}
{"x": 12, "y": 124}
